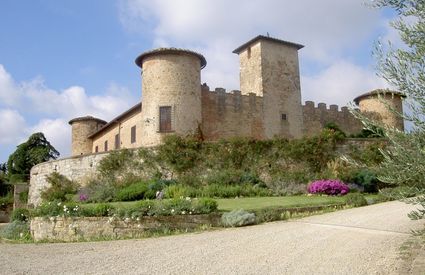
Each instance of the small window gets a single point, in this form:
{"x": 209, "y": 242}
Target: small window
{"x": 249, "y": 52}
{"x": 96, "y": 149}
{"x": 133, "y": 134}
{"x": 165, "y": 119}
{"x": 106, "y": 145}
{"x": 284, "y": 117}
{"x": 117, "y": 141}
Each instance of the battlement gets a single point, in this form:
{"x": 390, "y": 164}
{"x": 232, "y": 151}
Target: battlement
{"x": 315, "y": 118}
{"x": 230, "y": 114}
{"x": 322, "y": 107}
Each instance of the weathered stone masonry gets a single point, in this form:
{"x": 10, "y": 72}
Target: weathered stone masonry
{"x": 174, "y": 102}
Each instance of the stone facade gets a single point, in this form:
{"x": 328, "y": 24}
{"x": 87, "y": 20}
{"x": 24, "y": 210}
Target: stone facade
{"x": 118, "y": 133}
{"x": 268, "y": 104}
{"x": 315, "y": 118}
{"x": 171, "y": 78}
{"x": 382, "y": 106}
{"x": 226, "y": 115}
{"x": 269, "y": 68}
{"x": 87, "y": 228}
{"x": 78, "y": 168}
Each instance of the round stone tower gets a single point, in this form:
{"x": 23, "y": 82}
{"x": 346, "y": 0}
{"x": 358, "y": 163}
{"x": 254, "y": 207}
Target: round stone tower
{"x": 377, "y": 104}
{"x": 82, "y": 128}
{"x": 171, "y": 93}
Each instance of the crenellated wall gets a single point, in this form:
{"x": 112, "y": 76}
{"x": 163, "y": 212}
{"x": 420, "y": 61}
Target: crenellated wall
{"x": 226, "y": 115}
{"x": 315, "y": 118}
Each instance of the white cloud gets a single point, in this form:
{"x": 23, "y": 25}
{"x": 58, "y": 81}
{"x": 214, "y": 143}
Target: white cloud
{"x": 30, "y": 106}
{"x": 340, "y": 83}
{"x": 9, "y": 93}
{"x": 12, "y": 128}
{"x": 215, "y": 28}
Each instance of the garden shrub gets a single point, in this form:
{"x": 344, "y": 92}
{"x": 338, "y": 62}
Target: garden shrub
{"x": 335, "y": 128}
{"x": 135, "y": 191}
{"x": 60, "y": 186}
{"x": 16, "y": 230}
{"x": 205, "y": 206}
{"x": 23, "y": 196}
{"x": 20, "y": 214}
{"x": 118, "y": 164}
{"x": 6, "y": 201}
{"x": 97, "y": 210}
{"x": 180, "y": 191}
{"x": 237, "y": 218}
{"x": 282, "y": 188}
{"x": 315, "y": 151}
{"x": 171, "y": 207}
{"x": 328, "y": 187}
{"x": 355, "y": 199}
{"x": 98, "y": 191}
{"x": 181, "y": 154}
{"x": 367, "y": 179}
{"x": 268, "y": 215}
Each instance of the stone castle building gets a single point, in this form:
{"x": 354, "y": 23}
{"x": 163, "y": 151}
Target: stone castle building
{"x": 268, "y": 104}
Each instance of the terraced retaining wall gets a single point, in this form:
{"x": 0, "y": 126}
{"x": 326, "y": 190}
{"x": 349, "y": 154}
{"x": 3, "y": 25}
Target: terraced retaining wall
{"x": 89, "y": 228}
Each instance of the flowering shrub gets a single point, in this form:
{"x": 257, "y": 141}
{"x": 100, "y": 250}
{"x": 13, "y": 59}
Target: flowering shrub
{"x": 328, "y": 187}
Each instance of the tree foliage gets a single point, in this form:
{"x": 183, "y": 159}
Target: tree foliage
{"x": 34, "y": 151}
{"x": 404, "y": 68}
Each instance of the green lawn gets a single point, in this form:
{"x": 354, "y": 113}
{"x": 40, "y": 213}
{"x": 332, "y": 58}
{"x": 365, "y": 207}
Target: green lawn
{"x": 289, "y": 201}
{"x": 254, "y": 203}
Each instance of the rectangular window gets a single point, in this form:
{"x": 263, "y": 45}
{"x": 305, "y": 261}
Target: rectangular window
{"x": 165, "y": 119}
{"x": 284, "y": 117}
{"x": 96, "y": 149}
{"x": 106, "y": 145}
{"x": 117, "y": 141}
{"x": 133, "y": 134}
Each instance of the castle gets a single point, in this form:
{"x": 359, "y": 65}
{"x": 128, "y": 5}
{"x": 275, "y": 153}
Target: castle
{"x": 268, "y": 104}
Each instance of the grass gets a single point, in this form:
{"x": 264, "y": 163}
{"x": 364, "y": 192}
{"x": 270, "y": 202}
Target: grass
{"x": 255, "y": 203}
{"x": 288, "y": 201}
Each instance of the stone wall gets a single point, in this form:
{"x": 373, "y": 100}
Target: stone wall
{"x": 170, "y": 79}
{"x": 315, "y": 118}
{"x": 226, "y": 115}
{"x": 17, "y": 190}
{"x": 86, "y": 228}
{"x": 379, "y": 108}
{"x": 78, "y": 168}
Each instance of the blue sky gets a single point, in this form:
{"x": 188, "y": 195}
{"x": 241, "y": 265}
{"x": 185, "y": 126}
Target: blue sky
{"x": 61, "y": 59}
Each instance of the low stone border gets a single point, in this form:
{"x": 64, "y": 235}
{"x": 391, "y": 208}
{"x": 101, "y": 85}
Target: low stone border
{"x": 87, "y": 228}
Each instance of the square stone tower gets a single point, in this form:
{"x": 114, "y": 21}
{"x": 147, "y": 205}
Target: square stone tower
{"x": 269, "y": 68}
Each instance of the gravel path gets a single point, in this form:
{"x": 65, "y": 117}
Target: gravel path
{"x": 355, "y": 241}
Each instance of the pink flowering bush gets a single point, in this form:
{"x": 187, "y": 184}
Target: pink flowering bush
{"x": 328, "y": 187}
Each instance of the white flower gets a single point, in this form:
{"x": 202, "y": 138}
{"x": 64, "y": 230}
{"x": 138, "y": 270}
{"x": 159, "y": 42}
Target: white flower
{"x": 172, "y": 211}
{"x": 188, "y": 198}
{"x": 59, "y": 203}
{"x": 183, "y": 212}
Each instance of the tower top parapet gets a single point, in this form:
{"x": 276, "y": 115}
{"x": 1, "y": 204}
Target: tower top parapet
{"x": 140, "y": 58}
{"x": 267, "y": 38}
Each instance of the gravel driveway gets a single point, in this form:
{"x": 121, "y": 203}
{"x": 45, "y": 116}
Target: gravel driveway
{"x": 364, "y": 240}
